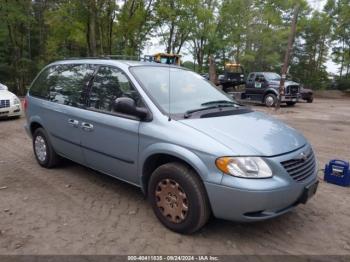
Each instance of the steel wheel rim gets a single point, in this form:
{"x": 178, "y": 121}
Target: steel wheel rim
{"x": 269, "y": 100}
{"x": 40, "y": 148}
{"x": 171, "y": 200}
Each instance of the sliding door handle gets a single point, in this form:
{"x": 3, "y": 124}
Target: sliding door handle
{"x": 73, "y": 122}
{"x": 87, "y": 127}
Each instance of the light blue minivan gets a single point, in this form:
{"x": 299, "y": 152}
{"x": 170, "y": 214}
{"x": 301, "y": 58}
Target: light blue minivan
{"x": 192, "y": 150}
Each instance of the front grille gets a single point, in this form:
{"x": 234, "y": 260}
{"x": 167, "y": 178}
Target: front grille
{"x": 292, "y": 90}
{"x": 4, "y": 103}
{"x": 302, "y": 167}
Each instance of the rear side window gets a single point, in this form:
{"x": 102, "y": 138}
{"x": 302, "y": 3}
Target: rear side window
{"x": 109, "y": 84}
{"x": 70, "y": 86}
{"x": 41, "y": 86}
{"x": 251, "y": 77}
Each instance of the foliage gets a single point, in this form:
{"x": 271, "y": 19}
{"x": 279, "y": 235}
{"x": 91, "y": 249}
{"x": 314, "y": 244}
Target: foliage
{"x": 343, "y": 84}
{"x": 311, "y": 49}
{"x": 251, "y": 32}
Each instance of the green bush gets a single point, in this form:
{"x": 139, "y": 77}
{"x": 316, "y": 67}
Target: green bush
{"x": 343, "y": 84}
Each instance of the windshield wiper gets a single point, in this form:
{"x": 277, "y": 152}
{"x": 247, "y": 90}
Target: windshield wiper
{"x": 190, "y": 112}
{"x": 218, "y": 102}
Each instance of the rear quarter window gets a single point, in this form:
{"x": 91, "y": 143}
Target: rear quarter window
{"x": 64, "y": 84}
{"x": 41, "y": 86}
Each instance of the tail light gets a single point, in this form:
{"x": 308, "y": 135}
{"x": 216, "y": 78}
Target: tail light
{"x": 25, "y": 103}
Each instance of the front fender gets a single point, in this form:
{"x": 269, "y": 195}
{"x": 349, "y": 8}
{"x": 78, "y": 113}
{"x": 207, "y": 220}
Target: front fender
{"x": 271, "y": 90}
{"x": 182, "y": 153}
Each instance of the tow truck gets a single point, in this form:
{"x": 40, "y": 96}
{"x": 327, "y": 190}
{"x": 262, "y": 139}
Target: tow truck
{"x": 164, "y": 58}
{"x": 262, "y": 87}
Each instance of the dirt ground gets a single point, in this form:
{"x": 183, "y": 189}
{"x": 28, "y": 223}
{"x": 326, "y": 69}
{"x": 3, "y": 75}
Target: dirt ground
{"x": 74, "y": 210}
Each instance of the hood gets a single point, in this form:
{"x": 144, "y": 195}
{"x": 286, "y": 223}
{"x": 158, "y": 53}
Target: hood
{"x": 286, "y": 83}
{"x": 250, "y": 134}
{"x": 4, "y": 95}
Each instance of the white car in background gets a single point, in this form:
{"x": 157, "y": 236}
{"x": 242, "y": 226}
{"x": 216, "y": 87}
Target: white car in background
{"x": 10, "y": 105}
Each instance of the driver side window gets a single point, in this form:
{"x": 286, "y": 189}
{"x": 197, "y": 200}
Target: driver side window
{"x": 108, "y": 85}
{"x": 259, "y": 78}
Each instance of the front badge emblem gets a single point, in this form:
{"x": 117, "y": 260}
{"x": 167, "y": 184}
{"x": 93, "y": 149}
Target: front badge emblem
{"x": 303, "y": 156}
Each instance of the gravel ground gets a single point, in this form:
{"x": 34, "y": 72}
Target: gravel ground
{"x": 75, "y": 210}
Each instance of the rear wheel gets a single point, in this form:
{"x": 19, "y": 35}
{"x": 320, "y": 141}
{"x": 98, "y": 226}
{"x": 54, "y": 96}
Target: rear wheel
{"x": 270, "y": 100}
{"x": 43, "y": 150}
{"x": 178, "y": 198}
{"x": 310, "y": 100}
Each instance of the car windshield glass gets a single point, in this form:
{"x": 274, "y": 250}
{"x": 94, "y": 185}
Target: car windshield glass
{"x": 234, "y": 69}
{"x": 188, "y": 90}
{"x": 272, "y": 76}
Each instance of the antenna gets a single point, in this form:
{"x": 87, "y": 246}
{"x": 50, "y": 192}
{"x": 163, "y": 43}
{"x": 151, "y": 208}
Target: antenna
{"x": 169, "y": 115}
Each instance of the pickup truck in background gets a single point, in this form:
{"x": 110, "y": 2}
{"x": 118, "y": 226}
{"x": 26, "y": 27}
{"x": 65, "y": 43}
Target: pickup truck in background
{"x": 263, "y": 87}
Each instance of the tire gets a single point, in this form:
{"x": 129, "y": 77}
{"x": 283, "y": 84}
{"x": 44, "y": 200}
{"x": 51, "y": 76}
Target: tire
{"x": 310, "y": 100}
{"x": 270, "y": 100}
{"x": 44, "y": 153}
{"x": 290, "y": 103}
{"x": 225, "y": 88}
{"x": 173, "y": 187}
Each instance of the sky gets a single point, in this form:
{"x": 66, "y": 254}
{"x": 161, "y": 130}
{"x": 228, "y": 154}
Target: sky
{"x": 154, "y": 46}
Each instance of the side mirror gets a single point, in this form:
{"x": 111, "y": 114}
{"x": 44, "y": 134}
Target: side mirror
{"x": 127, "y": 105}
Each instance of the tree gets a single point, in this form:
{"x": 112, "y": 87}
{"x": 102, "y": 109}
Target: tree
{"x": 174, "y": 23}
{"x": 16, "y": 17}
{"x": 135, "y": 21}
{"x": 340, "y": 13}
{"x": 254, "y": 33}
{"x": 204, "y": 29}
{"x": 311, "y": 50}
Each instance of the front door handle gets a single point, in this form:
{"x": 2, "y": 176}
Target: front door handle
{"x": 73, "y": 122}
{"x": 87, "y": 127}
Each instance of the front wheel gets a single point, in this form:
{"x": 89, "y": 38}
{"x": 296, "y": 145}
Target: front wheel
{"x": 270, "y": 100}
{"x": 178, "y": 198}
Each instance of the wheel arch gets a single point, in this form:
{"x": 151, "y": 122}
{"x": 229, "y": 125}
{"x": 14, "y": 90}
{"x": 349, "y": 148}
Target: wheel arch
{"x": 160, "y": 154}
{"x": 34, "y": 124}
{"x": 270, "y": 91}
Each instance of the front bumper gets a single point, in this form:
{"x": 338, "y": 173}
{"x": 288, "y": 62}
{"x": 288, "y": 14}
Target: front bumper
{"x": 244, "y": 200}
{"x": 290, "y": 98}
{"x": 12, "y": 111}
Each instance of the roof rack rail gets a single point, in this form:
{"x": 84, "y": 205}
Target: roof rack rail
{"x": 116, "y": 57}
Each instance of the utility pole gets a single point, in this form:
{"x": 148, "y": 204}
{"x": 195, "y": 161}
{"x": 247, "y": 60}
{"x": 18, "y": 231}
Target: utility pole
{"x": 287, "y": 56}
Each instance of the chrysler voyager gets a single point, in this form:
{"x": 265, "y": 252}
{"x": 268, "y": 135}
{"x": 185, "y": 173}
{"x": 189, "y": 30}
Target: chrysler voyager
{"x": 192, "y": 150}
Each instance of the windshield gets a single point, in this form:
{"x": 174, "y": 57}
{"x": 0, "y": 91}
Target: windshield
{"x": 272, "y": 76}
{"x": 167, "y": 60}
{"x": 188, "y": 90}
{"x": 234, "y": 69}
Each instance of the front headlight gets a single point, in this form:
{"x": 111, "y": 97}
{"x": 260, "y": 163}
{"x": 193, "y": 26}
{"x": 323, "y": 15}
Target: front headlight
{"x": 247, "y": 167}
{"x": 16, "y": 101}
